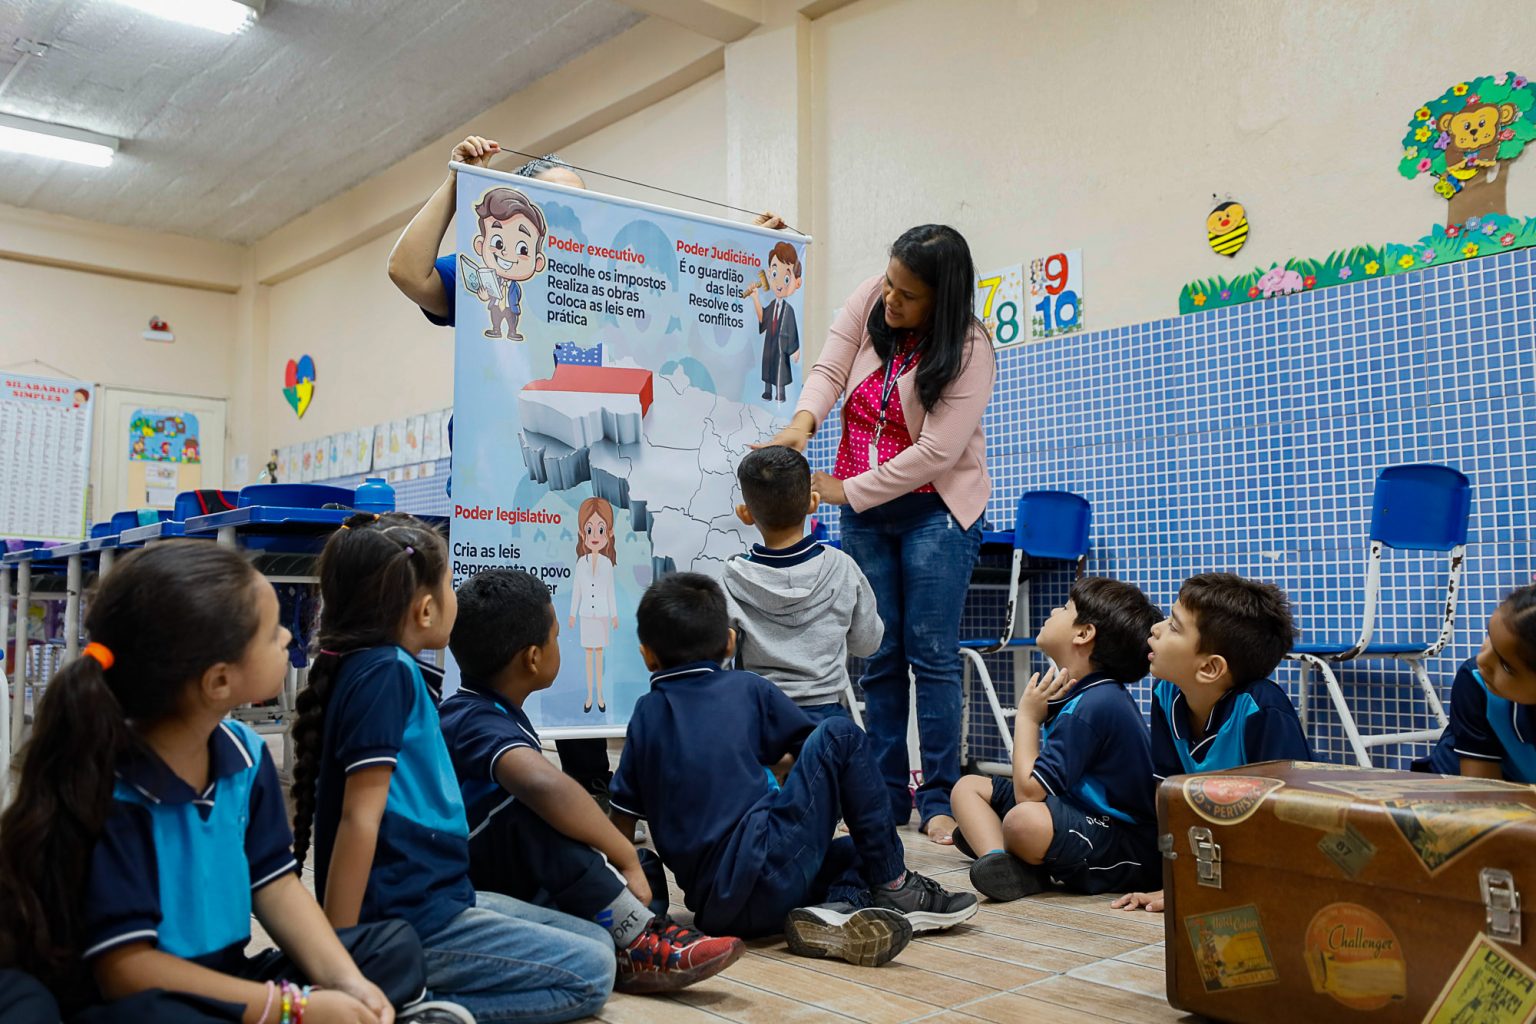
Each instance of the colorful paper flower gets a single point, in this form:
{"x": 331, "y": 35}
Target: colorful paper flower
{"x": 1490, "y": 227}
{"x": 1308, "y": 281}
{"x": 1508, "y": 238}
{"x": 1370, "y": 268}
{"x": 1422, "y": 114}
{"x": 1253, "y": 292}
{"x": 1453, "y": 230}
{"x": 1198, "y": 298}
{"x": 1226, "y": 293}
{"x": 1406, "y": 261}
{"x": 1345, "y": 273}
{"x": 1424, "y": 165}
{"x": 1443, "y": 141}
{"x": 1460, "y": 89}
{"x": 1428, "y": 256}
{"x": 1506, "y": 134}
{"x": 1502, "y": 79}
{"x": 1469, "y": 250}
{"x": 1473, "y": 223}
{"x": 1520, "y": 81}
{"x": 1473, "y": 98}
{"x": 1423, "y": 134}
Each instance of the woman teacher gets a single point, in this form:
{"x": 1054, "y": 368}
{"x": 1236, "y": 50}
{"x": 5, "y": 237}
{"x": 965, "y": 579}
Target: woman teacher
{"x": 914, "y": 369}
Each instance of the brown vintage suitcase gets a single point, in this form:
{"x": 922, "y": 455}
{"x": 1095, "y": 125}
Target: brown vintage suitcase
{"x": 1301, "y": 892}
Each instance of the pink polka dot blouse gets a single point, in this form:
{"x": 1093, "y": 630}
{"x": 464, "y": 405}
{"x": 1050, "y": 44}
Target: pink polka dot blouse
{"x": 861, "y": 417}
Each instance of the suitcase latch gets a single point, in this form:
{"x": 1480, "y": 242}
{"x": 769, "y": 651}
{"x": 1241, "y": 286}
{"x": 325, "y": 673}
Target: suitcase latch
{"x": 1165, "y": 846}
{"x": 1502, "y": 902}
{"x": 1207, "y": 857}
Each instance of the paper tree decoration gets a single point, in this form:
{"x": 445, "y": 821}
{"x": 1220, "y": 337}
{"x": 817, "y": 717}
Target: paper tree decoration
{"x": 299, "y": 384}
{"x": 1466, "y": 137}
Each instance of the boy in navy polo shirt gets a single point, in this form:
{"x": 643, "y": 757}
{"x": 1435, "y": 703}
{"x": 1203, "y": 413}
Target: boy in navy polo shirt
{"x": 545, "y": 836}
{"x": 1213, "y": 705}
{"x": 1493, "y": 700}
{"x": 748, "y": 854}
{"x": 1077, "y": 813}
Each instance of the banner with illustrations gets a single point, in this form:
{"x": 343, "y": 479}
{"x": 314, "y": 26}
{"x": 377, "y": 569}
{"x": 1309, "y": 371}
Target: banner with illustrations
{"x": 613, "y": 362}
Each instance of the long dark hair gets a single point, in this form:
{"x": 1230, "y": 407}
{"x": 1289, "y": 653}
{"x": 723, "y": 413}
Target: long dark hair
{"x": 937, "y": 254}
{"x": 167, "y": 614}
{"x": 370, "y": 572}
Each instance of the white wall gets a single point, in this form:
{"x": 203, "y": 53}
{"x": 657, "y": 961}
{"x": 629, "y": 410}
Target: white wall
{"x": 1106, "y": 125}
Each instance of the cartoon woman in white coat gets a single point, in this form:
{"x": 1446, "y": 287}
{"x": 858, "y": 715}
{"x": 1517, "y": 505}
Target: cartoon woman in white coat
{"x": 592, "y": 598}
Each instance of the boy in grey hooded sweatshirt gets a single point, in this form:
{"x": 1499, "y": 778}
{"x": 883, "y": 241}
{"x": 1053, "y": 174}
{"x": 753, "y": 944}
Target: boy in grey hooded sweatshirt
{"x": 799, "y": 607}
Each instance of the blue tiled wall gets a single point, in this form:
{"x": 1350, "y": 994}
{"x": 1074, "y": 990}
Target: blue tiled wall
{"x": 1248, "y": 439}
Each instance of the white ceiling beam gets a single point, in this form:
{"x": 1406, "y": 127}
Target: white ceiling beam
{"x": 723, "y": 20}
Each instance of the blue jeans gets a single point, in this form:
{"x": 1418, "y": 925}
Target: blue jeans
{"x": 786, "y": 852}
{"x": 506, "y": 960}
{"x": 819, "y": 713}
{"x": 918, "y": 561}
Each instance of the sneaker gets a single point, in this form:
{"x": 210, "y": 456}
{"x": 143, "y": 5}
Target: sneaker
{"x": 434, "y": 1012}
{"x": 864, "y": 937}
{"x": 642, "y": 834}
{"x": 1003, "y": 877}
{"x": 667, "y": 957}
{"x": 924, "y": 903}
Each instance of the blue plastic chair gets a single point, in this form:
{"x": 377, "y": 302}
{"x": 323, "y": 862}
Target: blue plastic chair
{"x": 1047, "y": 526}
{"x": 1416, "y": 508}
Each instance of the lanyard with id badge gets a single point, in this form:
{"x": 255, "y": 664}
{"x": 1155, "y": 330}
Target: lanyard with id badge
{"x": 893, "y": 372}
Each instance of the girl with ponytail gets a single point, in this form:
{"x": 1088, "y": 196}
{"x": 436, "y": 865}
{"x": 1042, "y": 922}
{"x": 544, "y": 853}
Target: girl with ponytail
{"x": 374, "y": 787}
{"x": 148, "y": 827}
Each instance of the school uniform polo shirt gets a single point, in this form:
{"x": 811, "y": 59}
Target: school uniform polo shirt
{"x": 1251, "y": 723}
{"x": 175, "y": 867}
{"x": 694, "y": 759}
{"x": 380, "y": 712}
{"x": 1486, "y": 727}
{"x": 1094, "y": 752}
{"x": 479, "y": 726}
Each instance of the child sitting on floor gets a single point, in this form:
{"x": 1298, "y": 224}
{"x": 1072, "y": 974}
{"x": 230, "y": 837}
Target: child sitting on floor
{"x": 506, "y": 641}
{"x": 1493, "y": 701}
{"x": 750, "y": 856}
{"x": 1213, "y": 705}
{"x": 1077, "y": 813}
{"x": 799, "y": 608}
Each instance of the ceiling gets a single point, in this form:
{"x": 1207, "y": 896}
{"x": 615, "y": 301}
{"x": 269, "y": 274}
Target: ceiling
{"x": 230, "y": 137}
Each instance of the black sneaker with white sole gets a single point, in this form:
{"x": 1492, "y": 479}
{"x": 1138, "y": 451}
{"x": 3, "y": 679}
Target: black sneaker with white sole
{"x": 1003, "y": 877}
{"x": 863, "y": 936}
{"x": 926, "y": 904}
{"x": 434, "y": 1011}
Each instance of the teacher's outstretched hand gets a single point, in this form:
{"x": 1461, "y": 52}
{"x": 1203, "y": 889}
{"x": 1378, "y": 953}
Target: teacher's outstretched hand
{"x": 913, "y": 369}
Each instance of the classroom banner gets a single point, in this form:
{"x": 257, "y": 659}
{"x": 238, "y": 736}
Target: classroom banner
{"x": 613, "y": 362}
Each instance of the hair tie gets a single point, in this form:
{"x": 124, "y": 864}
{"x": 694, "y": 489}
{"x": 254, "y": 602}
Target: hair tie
{"x": 334, "y": 654}
{"x": 409, "y": 551}
{"x": 101, "y": 652}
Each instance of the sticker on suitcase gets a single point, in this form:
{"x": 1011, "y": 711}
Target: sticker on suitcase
{"x": 1354, "y": 957}
{"x": 1231, "y": 950}
{"x": 1322, "y": 811}
{"x": 1227, "y": 799}
{"x": 1489, "y": 986}
{"x": 1347, "y": 848}
{"x": 1439, "y": 831}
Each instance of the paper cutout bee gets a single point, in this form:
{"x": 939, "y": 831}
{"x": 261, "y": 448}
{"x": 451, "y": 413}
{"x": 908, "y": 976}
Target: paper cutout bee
{"x": 1227, "y": 228}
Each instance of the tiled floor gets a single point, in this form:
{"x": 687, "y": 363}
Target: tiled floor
{"x": 1052, "y": 959}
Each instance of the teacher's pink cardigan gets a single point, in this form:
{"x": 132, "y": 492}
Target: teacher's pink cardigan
{"x": 948, "y": 444}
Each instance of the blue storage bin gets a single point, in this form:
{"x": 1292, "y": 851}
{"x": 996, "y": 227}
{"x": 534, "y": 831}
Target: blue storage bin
{"x": 294, "y": 495}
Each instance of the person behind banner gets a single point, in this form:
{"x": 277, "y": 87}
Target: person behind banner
{"x": 546, "y": 838}
{"x": 1492, "y": 734}
{"x": 429, "y": 281}
{"x": 776, "y": 323}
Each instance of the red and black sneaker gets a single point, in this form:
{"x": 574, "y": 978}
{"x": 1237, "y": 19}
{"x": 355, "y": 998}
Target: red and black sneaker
{"x": 667, "y": 957}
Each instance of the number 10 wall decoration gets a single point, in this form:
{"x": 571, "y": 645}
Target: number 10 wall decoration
{"x": 1052, "y": 304}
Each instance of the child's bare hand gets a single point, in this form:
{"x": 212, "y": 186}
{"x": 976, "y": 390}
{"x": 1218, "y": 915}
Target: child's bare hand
{"x": 634, "y": 877}
{"x": 476, "y": 151}
{"x": 1035, "y": 700}
{"x": 1149, "y": 901}
{"x": 332, "y": 1006}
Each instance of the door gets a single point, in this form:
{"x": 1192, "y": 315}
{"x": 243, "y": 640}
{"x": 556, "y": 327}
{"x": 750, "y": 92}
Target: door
{"x": 151, "y": 446}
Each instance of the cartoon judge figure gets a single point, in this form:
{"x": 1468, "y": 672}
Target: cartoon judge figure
{"x": 776, "y": 322}
{"x": 592, "y": 597}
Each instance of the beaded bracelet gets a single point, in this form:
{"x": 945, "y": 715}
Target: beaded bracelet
{"x": 298, "y": 1018}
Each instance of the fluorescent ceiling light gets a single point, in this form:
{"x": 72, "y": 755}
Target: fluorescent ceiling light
{"x": 39, "y": 138}
{"x": 225, "y": 16}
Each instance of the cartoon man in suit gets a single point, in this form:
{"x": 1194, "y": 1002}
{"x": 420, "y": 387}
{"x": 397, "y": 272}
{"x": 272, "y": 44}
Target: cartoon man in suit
{"x": 511, "y": 242}
{"x": 776, "y": 322}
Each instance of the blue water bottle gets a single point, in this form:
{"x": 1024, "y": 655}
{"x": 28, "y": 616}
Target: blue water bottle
{"x": 375, "y": 495}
